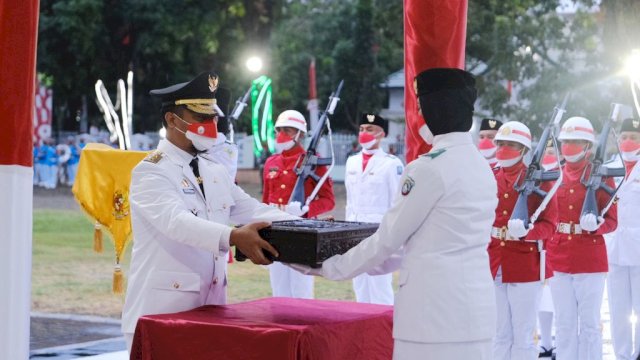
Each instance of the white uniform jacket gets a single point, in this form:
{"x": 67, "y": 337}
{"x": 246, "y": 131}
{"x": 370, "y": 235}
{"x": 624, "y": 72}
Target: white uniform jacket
{"x": 623, "y": 245}
{"x": 442, "y": 218}
{"x": 181, "y": 241}
{"x": 371, "y": 192}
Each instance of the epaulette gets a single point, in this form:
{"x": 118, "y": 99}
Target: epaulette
{"x": 154, "y": 157}
{"x": 435, "y": 154}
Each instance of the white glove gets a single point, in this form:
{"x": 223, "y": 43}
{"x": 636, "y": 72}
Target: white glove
{"x": 305, "y": 270}
{"x": 295, "y": 208}
{"x": 590, "y": 222}
{"x": 516, "y": 228}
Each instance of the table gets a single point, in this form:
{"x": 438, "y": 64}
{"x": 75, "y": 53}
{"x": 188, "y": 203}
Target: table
{"x": 270, "y": 328}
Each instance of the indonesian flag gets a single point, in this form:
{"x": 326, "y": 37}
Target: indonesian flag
{"x": 18, "y": 30}
{"x": 434, "y": 36}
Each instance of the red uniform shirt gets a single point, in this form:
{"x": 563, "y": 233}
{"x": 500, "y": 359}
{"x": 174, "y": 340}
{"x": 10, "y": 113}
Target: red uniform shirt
{"x": 520, "y": 260}
{"x": 279, "y": 180}
{"x": 586, "y": 252}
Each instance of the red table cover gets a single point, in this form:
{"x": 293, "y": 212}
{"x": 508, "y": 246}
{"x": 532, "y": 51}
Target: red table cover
{"x": 270, "y": 328}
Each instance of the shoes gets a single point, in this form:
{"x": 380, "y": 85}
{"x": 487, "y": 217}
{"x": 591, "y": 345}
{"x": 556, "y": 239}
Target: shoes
{"x": 547, "y": 353}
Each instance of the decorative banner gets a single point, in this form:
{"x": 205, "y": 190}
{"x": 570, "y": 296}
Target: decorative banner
{"x": 261, "y": 115}
{"x": 42, "y": 114}
{"x": 434, "y": 36}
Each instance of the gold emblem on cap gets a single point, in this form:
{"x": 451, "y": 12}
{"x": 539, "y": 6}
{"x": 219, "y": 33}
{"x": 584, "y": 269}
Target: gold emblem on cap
{"x": 568, "y": 129}
{"x": 505, "y": 130}
{"x": 213, "y": 83}
{"x": 492, "y": 123}
{"x": 371, "y": 118}
{"x": 636, "y": 123}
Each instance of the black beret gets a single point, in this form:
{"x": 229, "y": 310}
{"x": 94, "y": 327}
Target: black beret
{"x": 198, "y": 95}
{"x": 433, "y": 80}
{"x": 490, "y": 124}
{"x": 630, "y": 125}
{"x": 375, "y": 120}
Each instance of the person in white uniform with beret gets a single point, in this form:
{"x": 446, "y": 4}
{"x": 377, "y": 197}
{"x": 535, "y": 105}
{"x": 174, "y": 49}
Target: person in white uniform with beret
{"x": 371, "y": 181}
{"x": 436, "y": 234}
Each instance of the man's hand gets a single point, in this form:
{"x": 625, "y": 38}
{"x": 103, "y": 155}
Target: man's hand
{"x": 248, "y": 241}
{"x": 590, "y": 222}
{"x": 295, "y": 208}
{"x": 516, "y": 228}
{"x": 305, "y": 270}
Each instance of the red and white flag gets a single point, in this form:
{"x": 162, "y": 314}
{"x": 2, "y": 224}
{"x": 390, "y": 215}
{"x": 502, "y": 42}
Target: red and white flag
{"x": 434, "y": 36}
{"x": 18, "y": 30}
{"x": 312, "y": 105}
{"x": 42, "y": 113}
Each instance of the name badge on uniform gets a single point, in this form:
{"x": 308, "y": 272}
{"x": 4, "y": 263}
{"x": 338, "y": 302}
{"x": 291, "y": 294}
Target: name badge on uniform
{"x": 187, "y": 188}
{"x": 273, "y": 172}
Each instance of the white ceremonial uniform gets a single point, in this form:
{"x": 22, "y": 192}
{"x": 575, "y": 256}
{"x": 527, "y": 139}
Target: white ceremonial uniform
{"x": 181, "y": 239}
{"x": 623, "y": 281}
{"x": 370, "y": 193}
{"x": 442, "y": 223}
{"x": 224, "y": 153}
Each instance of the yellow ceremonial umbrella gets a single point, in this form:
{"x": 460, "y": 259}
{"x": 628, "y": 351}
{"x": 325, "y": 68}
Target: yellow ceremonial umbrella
{"x": 101, "y": 188}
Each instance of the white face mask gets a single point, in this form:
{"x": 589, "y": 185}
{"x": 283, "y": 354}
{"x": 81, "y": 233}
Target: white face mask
{"x": 426, "y": 134}
{"x": 630, "y": 156}
{"x": 286, "y": 145}
{"x": 509, "y": 162}
{"x": 550, "y": 166}
{"x": 201, "y": 143}
{"x": 576, "y": 157}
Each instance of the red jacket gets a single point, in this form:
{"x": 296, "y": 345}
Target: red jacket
{"x": 520, "y": 260}
{"x": 586, "y": 252}
{"x": 279, "y": 180}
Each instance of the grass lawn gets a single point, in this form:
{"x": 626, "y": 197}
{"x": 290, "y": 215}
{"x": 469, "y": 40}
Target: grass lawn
{"x": 69, "y": 277}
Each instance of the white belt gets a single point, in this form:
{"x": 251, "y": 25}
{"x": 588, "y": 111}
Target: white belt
{"x": 571, "y": 228}
{"x": 501, "y": 233}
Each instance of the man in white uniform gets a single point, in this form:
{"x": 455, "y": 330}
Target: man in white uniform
{"x": 623, "y": 248}
{"x": 371, "y": 182}
{"x": 223, "y": 151}
{"x": 439, "y": 225}
{"x": 181, "y": 208}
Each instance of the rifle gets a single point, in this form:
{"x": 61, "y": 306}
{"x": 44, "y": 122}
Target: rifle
{"x": 305, "y": 166}
{"x": 241, "y": 103}
{"x": 535, "y": 174}
{"x": 593, "y": 174}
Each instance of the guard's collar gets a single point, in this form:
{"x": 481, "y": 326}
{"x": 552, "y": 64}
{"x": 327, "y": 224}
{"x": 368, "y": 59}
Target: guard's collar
{"x": 451, "y": 139}
{"x": 176, "y": 154}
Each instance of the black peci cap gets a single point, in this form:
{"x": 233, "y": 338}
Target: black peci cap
{"x": 374, "y": 119}
{"x": 198, "y": 95}
{"x": 630, "y": 125}
{"x": 490, "y": 124}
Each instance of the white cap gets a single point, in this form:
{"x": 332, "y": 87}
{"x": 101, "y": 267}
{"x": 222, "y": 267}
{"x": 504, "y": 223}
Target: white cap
{"x": 577, "y": 128}
{"x": 292, "y": 118}
{"x": 514, "y": 131}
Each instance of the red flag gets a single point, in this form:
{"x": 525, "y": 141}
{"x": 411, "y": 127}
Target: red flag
{"x": 434, "y": 36}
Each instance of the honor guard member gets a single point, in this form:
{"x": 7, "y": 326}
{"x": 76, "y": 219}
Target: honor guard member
{"x": 371, "y": 182}
{"x": 545, "y": 308}
{"x": 181, "y": 208}
{"x": 515, "y": 250}
{"x": 488, "y": 130}
{"x": 223, "y": 151}
{"x": 577, "y": 251}
{"x": 436, "y": 234}
{"x": 279, "y": 180}
{"x": 623, "y": 247}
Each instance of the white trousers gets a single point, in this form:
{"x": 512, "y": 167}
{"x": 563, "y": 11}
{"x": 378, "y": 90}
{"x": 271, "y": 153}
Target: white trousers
{"x": 623, "y": 287}
{"x": 517, "y": 305}
{"x": 577, "y": 299}
{"x": 409, "y": 350}
{"x": 128, "y": 337}
{"x": 286, "y": 282}
{"x": 374, "y": 289}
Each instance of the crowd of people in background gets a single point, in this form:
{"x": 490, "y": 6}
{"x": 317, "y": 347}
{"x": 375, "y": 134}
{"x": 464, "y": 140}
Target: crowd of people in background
{"x": 56, "y": 164}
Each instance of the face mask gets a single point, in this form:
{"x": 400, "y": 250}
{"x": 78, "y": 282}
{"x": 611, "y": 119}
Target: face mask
{"x": 507, "y": 156}
{"x": 284, "y": 142}
{"x": 549, "y": 162}
{"x": 573, "y": 152}
{"x": 426, "y": 134}
{"x": 367, "y": 140}
{"x": 202, "y": 135}
{"x": 487, "y": 148}
{"x": 629, "y": 150}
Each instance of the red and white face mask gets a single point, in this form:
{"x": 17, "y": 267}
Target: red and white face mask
{"x": 487, "y": 148}
{"x": 202, "y": 135}
{"x": 573, "y": 152}
{"x": 630, "y": 150}
{"x": 549, "y": 162}
{"x": 508, "y": 156}
{"x": 367, "y": 140}
{"x": 285, "y": 142}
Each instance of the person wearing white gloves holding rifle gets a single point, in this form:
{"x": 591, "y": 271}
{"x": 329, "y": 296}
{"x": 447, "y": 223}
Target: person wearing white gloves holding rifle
{"x": 436, "y": 233}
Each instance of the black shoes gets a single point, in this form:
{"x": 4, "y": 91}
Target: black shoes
{"x": 547, "y": 353}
